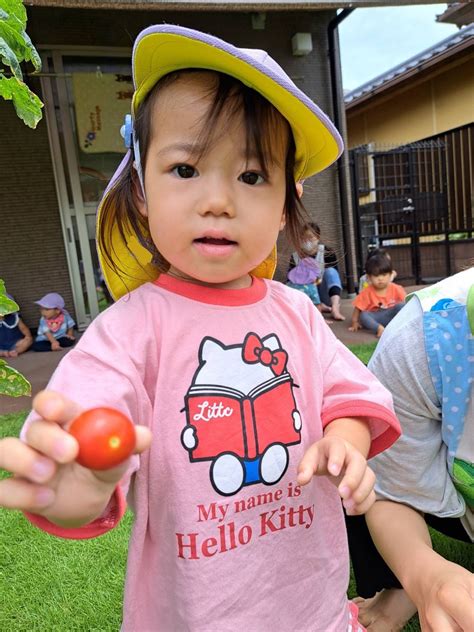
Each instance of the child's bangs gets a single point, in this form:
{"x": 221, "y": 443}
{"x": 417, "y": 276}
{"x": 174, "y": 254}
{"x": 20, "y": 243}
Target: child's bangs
{"x": 267, "y": 131}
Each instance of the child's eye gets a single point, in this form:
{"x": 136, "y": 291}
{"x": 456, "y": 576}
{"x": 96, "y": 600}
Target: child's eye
{"x": 184, "y": 171}
{"x": 252, "y": 177}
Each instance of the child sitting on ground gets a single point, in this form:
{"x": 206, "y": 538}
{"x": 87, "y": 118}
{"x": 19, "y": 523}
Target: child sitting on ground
{"x": 381, "y": 300}
{"x": 364, "y": 279}
{"x": 56, "y": 325}
{"x": 15, "y": 337}
{"x": 306, "y": 272}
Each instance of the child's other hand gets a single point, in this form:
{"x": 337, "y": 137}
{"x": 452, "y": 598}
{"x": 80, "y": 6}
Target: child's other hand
{"x": 46, "y": 478}
{"x": 55, "y": 346}
{"x": 345, "y": 466}
{"x": 354, "y": 327}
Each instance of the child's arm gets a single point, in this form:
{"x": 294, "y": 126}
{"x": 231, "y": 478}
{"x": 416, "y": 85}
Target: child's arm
{"x": 442, "y": 591}
{"x": 55, "y": 346}
{"x": 46, "y": 479}
{"x": 341, "y": 454}
{"x": 355, "y": 324}
{"x": 26, "y": 342}
{"x": 70, "y": 333}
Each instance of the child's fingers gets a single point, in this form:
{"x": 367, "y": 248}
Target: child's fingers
{"x": 144, "y": 437}
{"x": 353, "y": 475}
{"x": 16, "y": 493}
{"x": 309, "y": 464}
{"x": 362, "y": 508}
{"x": 20, "y": 459}
{"x": 336, "y": 457}
{"x": 55, "y": 407}
{"x": 52, "y": 441}
{"x": 364, "y": 488}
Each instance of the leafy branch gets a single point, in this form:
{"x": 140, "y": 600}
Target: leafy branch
{"x": 15, "y": 48}
{"x": 12, "y": 382}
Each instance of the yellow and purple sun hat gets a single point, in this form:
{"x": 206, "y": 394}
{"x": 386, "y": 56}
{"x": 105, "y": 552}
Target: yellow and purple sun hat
{"x": 162, "y": 49}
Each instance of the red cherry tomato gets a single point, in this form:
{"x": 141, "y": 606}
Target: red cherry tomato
{"x": 106, "y": 437}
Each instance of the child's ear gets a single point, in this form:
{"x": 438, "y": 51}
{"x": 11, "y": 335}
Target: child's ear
{"x": 299, "y": 189}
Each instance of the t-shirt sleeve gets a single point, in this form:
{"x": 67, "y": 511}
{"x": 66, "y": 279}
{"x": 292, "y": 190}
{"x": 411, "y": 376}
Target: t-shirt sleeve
{"x": 70, "y": 324}
{"x": 414, "y": 470}
{"x": 400, "y": 293}
{"x": 362, "y": 300}
{"x": 99, "y": 372}
{"x": 351, "y": 390}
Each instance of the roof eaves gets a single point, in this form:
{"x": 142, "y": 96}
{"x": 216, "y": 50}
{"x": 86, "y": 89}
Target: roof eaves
{"x": 406, "y": 68}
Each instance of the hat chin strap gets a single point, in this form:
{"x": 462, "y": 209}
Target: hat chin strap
{"x": 137, "y": 164}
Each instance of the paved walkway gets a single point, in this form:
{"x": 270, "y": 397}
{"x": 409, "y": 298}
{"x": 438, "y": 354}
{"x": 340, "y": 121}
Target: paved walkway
{"x": 38, "y": 367}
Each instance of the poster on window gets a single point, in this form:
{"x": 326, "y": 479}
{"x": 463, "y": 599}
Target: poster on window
{"x": 101, "y": 101}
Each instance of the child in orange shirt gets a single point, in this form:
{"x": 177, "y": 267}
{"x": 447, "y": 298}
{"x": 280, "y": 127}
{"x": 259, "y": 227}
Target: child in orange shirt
{"x": 381, "y": 300}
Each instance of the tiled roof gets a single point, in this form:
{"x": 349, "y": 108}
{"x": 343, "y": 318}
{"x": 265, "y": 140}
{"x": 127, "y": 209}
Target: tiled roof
{"x": 417, "y": 61}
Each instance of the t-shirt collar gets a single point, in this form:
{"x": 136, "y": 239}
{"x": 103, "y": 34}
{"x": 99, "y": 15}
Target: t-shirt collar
{"x": 212, "y": 295}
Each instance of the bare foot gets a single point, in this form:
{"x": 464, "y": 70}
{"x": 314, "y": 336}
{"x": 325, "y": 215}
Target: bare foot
{"x": 325, "y": 308}
{"x": 380, "y": 330}
{"x": 336, "y": 314}
{"x": 3, "y": 354}
{"x": 12, "y": 354}
{"x": 388, "y": 611}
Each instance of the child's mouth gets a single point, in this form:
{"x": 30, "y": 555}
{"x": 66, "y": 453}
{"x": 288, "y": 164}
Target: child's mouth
{"x": 215, "y": 241}
{"x": 215, "y": 246}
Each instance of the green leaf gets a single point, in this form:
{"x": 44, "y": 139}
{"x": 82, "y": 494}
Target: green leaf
{"x": 27, "y": 104}
{"x": 20, "y": 44}
{"x": 12, "y": 383}
{"x": 9, "y": 57}
{"x": 32, "y": 55}
{"x": 7, "y": 306}
{"x": 15, "y": 12}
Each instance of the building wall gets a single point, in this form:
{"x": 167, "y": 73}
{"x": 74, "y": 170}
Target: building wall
{"x": 441, "y": 101}
{"x": 35, "y": 256}
{"x": 32, "y": 255}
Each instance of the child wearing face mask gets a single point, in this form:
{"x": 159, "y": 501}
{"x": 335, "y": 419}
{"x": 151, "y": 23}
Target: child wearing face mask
{"x": 253, "y": 422}
{"x": 326, "y": 290}
{"x": 306, "y": 271}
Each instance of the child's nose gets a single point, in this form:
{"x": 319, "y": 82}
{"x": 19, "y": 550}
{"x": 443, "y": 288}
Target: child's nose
{"x": 217, "y": 199}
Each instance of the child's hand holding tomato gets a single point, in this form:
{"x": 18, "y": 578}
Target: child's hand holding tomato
{"x": 47, "y": 479}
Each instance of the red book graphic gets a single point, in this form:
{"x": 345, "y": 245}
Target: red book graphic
{"x": 241, "y": 413}
{"x": 226, "y": 420}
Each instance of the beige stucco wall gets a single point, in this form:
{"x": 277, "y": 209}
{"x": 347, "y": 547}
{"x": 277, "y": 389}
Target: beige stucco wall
{"x": 436, "y": 103}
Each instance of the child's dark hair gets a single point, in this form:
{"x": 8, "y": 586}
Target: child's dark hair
{"x": 315, "y": 228}
{"x": 378, "y": 263}
{"x": 229, "y": 96}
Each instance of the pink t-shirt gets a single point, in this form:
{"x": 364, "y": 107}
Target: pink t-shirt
{"x": 235, "y": 385}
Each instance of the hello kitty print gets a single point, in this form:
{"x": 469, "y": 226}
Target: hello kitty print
{"x": 241, "y": 413}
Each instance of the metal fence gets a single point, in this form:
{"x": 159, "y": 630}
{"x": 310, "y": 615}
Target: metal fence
{"x": 416, "y": 201}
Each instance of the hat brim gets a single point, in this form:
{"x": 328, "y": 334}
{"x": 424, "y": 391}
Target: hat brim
{"x": 164, "y": 49}
{"x": 160, "y": 50}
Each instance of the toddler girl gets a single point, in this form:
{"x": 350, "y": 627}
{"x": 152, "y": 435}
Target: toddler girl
{"x": 240, "y": 392}
{"x": 56, "y": 325}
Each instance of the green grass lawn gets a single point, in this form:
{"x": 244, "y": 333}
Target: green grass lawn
{"x": 53, "y": 585}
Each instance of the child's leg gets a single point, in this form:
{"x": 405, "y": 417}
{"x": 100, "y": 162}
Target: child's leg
{"x": 66, "y": 342}
{"x": 23, "y": 345}
{"x": 41, "y": 345}
{"x": 386, "y": 315}
{"x": 371, "y": 321}
{"x": 330, "y": 292}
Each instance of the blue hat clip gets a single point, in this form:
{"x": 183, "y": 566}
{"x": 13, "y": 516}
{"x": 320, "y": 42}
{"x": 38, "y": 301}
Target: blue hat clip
{"x": 126, "y": 131}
